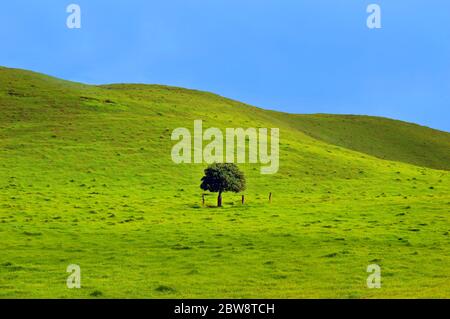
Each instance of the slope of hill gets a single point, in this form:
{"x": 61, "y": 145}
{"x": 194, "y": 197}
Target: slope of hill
{"x": 86, "y": 178}
{"x": 381, "y": 137}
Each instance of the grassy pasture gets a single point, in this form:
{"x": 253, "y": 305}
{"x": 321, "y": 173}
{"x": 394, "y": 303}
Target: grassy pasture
{"x": 86, "y": 178}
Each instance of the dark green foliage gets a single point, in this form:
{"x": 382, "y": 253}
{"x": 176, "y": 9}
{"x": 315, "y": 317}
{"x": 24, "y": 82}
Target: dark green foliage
{"x": 223, "y": 177}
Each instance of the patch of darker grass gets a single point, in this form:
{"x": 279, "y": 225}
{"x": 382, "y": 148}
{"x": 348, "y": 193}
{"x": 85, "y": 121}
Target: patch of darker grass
{"x": 11, "y": 267}
{"x": 279, "y": 276}
{"x": 26, "y": 233}
{"x": 181, "y": 247}
{"x": 165, "y": 289}
{"x": 96, "y": 293}
{"x": 376, "y": 260}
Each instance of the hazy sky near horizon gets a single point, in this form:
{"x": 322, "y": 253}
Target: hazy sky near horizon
{"x": 314, "y": 56}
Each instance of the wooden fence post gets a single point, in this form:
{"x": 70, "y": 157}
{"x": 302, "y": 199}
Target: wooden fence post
{"x": 243, "y": 200}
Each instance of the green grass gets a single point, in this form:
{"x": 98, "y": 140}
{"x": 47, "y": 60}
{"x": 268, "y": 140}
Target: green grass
{"x": 86, "y": 178}
{"x": 381, "y": 137}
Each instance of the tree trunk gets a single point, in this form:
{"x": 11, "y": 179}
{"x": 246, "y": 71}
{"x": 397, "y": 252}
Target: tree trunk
{"x": 219, "y": 200}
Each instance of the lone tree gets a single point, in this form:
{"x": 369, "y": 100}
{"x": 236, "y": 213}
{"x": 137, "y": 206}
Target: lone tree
{"x": 223, "y": 177}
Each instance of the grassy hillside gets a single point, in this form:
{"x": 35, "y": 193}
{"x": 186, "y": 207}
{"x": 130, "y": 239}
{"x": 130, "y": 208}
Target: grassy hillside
{"x": 381, "y": 137}
{"x": 86, "y": 178}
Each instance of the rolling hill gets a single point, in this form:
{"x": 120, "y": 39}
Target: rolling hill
{"x": 381, "y": 137}
{"x": 86, "y": 178}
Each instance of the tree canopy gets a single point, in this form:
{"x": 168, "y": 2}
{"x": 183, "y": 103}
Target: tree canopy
{"x": 223, "y": 177}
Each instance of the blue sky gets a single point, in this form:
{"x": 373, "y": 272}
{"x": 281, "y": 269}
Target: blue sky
{"x": 299, "y": 56}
